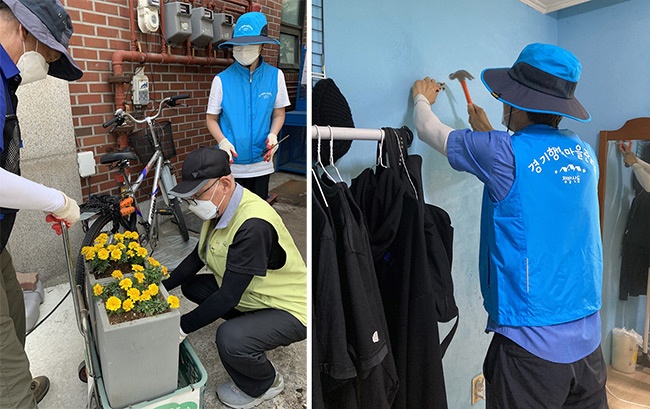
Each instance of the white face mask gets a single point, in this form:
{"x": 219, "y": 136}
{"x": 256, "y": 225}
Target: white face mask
{"x": 246, "y": 54}
{"x": 205, "y": 209}
{"x": 505, "y": 120}
{"x": 32, "y": 66}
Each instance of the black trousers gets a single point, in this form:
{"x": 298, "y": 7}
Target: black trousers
{"x": 258, "y": 185}
{"x": 245, "y": 337}
{"x": 515, "y": 379}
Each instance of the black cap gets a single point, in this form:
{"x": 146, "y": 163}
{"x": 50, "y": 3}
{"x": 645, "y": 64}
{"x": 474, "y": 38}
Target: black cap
{"x": 199, "y": 167}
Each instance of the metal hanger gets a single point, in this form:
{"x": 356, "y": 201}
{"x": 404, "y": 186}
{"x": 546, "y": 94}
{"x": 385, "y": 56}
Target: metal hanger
{"x": 319, "y": 162}
{"x": 332, "y": 153}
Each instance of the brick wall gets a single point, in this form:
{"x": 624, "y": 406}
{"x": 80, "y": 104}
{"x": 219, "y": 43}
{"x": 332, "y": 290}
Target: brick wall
{"x": 103, "y": 27}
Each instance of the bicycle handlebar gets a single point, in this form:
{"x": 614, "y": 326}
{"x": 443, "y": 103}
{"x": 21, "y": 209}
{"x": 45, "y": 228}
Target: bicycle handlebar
{"x": 120, "y": 115}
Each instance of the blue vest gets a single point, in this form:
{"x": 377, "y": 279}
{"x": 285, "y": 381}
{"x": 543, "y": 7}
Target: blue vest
{"x": 541, "y": 256}
{"x": 247, "y": 107}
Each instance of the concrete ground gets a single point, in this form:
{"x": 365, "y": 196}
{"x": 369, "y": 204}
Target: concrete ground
{"x": 56, "y": 348}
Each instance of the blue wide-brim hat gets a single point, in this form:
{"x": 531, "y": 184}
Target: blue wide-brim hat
{"x": 543, "y": 79}
{"x": 251, "y": 28}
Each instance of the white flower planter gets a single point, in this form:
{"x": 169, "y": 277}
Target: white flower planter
{"x": 139, "y": 359}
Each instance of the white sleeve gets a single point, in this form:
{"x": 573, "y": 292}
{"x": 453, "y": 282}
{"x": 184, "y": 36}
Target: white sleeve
{"x": 16, "y": 192}
{"x": 642, "y": 172}
{"x": 216, "y": 96}
{"x": 428, "y": 126}
{"x": 282, "y": 99}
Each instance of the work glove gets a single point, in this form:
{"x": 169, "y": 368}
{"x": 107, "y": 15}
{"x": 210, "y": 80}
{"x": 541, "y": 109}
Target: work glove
{"x": 228, "y": 147}
{"x": 271, "y": 147}
{"x": 182, "y": 336}
{"x": 68, "y": 214}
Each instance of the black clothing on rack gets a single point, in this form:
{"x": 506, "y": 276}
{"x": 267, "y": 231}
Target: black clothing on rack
{"x": 391, "y": 200}
{"x": 372, "y": 382}
{"x": 635, "y": 256}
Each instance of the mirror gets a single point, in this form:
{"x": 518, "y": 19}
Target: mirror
{"x": 633, "y": 130}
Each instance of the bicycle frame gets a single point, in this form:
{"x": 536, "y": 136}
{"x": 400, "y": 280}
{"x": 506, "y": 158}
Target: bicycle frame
{"x": 156, "y": 159}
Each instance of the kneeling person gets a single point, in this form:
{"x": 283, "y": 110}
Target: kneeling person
{"x": 259, "y": 280}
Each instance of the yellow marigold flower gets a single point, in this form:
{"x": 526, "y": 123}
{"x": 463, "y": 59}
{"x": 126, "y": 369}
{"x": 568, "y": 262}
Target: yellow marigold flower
{"x": 153, "y": 262}
{"x": 134, "y": 245}
{"x": 128, "y": 305}
{"x": 145, "y": 296}
{"x": 98, "y": 290}
{"x": 121, "y": 246}
{"x": 117, "y": 274}
{"x": 101, "y": 239}
{"x": 85, "y": 249}
{"x": 164, "y": 270}
{"x": 133, "y": 293}
{"x": 142, "y": 251}
{"x": 173, "y": 301}
{"x": 113, "y": 303}
{"x": 98, "y": 246}
{"x": 126, "y": 283}
{"x": 103, "y": 254}
{"x": 116, "y": 254}
{"x": 153, "y": 289}
{"x": 90, "y": 253}
{"x": 130, "y": 253}
{"x": 119, "y": 237}
{"x": 137, "y": 268}
{"x": 111, "y": 247}
{"x": 128, "y": 235}
{"x": 139, "y": 276}
{"x": 134, "y": 235}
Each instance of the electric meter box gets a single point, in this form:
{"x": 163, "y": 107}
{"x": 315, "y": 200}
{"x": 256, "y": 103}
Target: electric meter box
{"x": 222, "y": 28}
{"x": 178, "y": 22}
{"x": 201, "y": 27}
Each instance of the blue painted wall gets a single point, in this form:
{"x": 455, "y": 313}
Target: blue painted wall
{"x": 374, "y": 51}
{"x": 612, "y": 40}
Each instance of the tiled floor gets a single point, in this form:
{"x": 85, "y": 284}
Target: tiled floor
{"x": 628, "y": 391}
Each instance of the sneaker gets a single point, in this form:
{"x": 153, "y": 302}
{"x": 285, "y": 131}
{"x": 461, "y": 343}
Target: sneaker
{"x": 40, "y": 386}
{"x": 230, "y": 395}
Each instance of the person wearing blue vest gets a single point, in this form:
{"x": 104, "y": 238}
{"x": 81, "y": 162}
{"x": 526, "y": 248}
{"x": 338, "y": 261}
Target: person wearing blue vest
{"x": 540, "y": 258}
{"x": 34, "y": 36}
{"x": 246, "y": 107}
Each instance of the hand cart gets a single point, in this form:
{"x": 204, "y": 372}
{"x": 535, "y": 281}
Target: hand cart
{"x": 192, "y": 375}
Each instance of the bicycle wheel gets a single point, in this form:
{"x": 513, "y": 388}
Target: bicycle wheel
{"x": 166, "y": 183}
{"x": 175, "y": 205}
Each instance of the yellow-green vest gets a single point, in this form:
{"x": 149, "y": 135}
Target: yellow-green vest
{"x": 283, "y": 289}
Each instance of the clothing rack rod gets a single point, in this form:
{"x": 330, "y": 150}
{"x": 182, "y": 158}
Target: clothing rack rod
{"x": 346, "y": 133}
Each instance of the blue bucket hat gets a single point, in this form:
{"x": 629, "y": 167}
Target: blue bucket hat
{"x": 543, "y": 79}
{"x": 251, "y": 28}
{"x": 48, "y": 21}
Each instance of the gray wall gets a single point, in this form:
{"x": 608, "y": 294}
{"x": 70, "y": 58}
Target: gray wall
{"x": 48, "y": 157}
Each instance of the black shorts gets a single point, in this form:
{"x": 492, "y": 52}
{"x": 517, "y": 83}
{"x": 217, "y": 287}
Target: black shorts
{"x": 515, "y": 378}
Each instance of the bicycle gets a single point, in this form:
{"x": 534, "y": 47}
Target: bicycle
{"x": 113, "y": 214}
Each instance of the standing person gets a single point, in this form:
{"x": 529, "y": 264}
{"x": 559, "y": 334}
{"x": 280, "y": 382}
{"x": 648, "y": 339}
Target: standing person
{"x": 246, "y": 105}
{"x": 540, "y": 257}
{"x": 640, "y": 168}
{"x": 34, "y": 36}
{"x": 258, "y": 279}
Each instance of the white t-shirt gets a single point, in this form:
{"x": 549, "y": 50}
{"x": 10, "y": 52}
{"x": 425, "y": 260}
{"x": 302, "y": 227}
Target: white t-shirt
{"x": 214, "y": 108}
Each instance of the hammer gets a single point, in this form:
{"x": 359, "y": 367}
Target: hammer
{"x": 462, "y": 75}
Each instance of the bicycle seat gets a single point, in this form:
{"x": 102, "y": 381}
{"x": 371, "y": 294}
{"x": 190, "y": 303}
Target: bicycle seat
{"x": 124, "y": 154}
